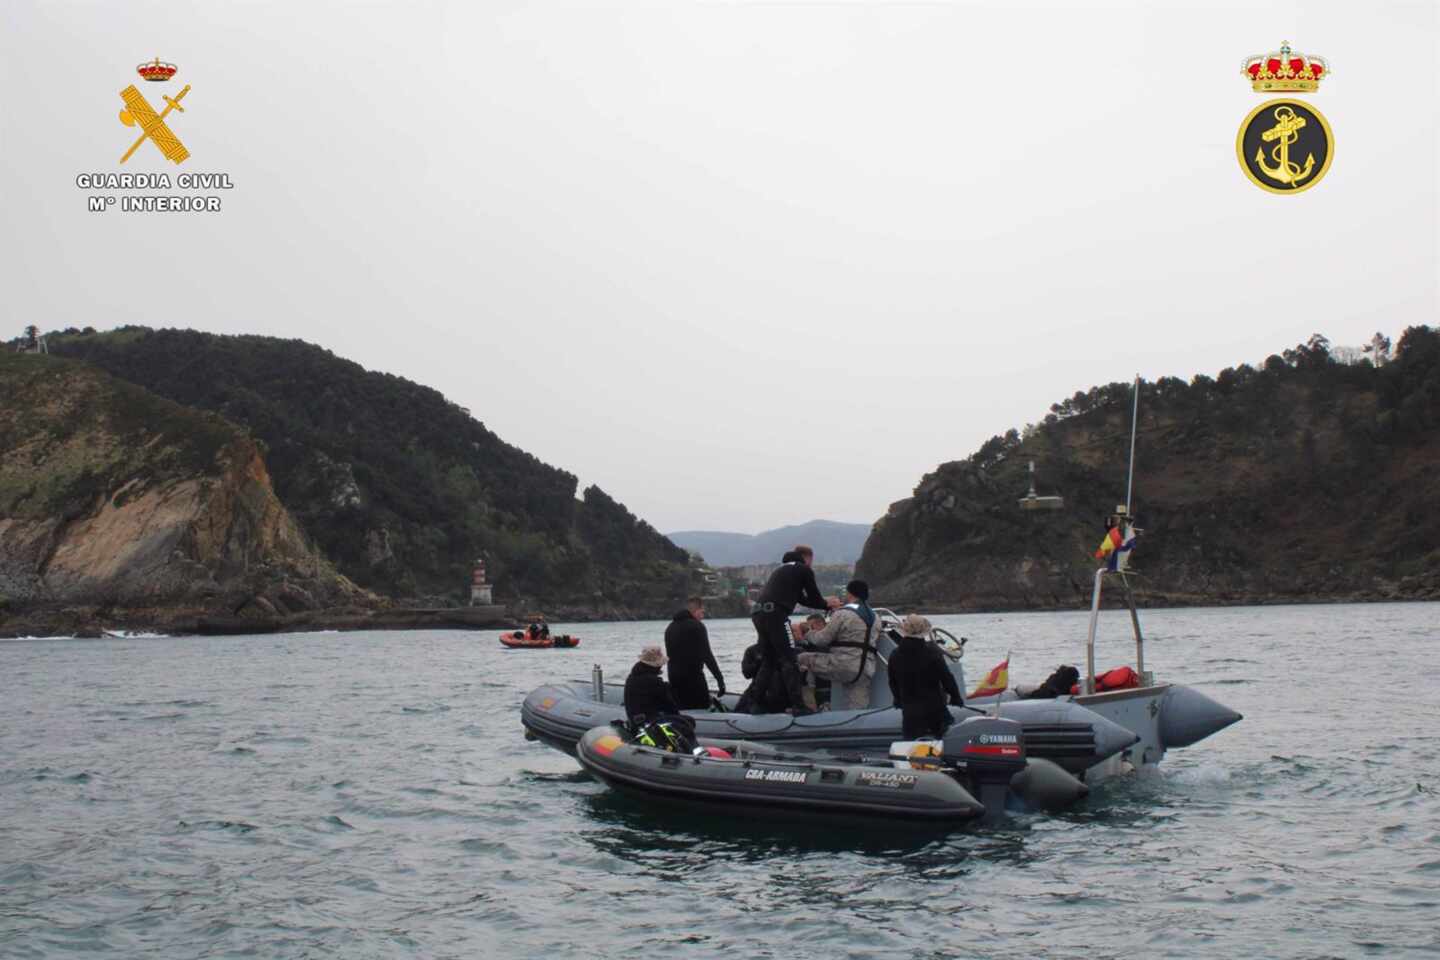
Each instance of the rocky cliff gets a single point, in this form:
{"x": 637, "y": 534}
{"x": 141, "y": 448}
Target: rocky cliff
{"x": 1304, "y": 480}
{"x": 402, "y": 489}
{"x": 117, "y": 502}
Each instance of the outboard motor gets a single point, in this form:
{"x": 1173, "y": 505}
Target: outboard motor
{"x": 993, "y": 751}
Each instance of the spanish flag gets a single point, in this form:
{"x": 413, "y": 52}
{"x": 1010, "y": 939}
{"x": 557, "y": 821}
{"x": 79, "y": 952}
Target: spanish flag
{"x": 1115, "y": 545}
{"x": 995, "y": 681}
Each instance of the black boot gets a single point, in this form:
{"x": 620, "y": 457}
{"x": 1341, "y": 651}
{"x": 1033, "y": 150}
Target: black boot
{"x": 790, "y": 673}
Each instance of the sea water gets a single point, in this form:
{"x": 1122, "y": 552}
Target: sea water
{"x": 372, "y": 795}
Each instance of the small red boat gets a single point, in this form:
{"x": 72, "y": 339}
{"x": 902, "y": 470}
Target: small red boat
{"x": 519, "y": 639}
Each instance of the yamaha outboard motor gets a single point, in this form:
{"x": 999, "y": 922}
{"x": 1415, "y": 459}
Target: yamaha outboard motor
{"x": 993, "y": 751}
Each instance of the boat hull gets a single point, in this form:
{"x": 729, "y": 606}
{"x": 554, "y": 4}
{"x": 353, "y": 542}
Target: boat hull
{"x": 764, "y": 779}
{"x": 1065, "y": 733}
{"x": 519, "y": 640}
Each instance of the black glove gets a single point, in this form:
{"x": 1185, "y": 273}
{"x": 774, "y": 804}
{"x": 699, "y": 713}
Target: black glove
{"x": 719, "y": 686}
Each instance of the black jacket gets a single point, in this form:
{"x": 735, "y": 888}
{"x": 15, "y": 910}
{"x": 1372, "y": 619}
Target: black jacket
{"x": 1058, "y": 684}
{"x": 921, "y": 681}
{"x": 687, "y": 644}
{"x": 646, "y": 695}
{"x": 792, "y": 583}
{"x": 750, "y": 663}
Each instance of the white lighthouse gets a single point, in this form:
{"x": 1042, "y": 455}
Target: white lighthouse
{"x": 479, "y": 589}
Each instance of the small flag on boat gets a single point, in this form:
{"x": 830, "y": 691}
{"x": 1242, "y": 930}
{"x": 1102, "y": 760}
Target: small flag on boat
{"x": 1116, "y": 546}
{"x": 995, "y": 681}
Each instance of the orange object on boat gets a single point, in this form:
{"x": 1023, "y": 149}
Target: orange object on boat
{"x": 519, "y": 639}
{"x": 1121, "y": 678}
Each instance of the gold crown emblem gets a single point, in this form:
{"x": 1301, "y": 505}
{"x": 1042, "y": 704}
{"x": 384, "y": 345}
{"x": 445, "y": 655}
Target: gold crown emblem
{"x": 1285, "y": 70}
{"x": 156, "y": 70}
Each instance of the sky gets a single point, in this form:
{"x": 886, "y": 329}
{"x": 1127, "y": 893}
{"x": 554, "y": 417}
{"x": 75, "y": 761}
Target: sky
{"x": 741, "y": 264}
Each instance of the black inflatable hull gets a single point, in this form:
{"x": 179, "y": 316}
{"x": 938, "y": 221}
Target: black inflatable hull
{"x": 757, "y": 781}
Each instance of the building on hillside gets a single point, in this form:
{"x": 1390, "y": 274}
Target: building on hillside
{"x": 32, "y": 342}
{"x": 750, "y": 579}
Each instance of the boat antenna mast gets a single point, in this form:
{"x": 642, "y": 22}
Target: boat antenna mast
{"x": 1122, "y": 521}
{"x": 1134, "y": 422}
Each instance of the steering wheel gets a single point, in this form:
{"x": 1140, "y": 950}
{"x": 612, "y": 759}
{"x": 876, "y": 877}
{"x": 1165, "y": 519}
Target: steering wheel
{"x": 950, "y": 645}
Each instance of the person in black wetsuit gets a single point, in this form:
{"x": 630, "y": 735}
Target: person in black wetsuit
{"x": 647, "y": 696}
{"x": 687, "y": 644}
{"x": 921, "y": 681}
{"x": 793, "y": 582}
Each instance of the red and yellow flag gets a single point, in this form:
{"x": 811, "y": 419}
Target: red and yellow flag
{"x": 1110, "y": 544}
{"x": 995, "y": 682}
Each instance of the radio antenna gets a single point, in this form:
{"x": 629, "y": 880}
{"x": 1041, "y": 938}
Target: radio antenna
{"x": 1134, "y": 422}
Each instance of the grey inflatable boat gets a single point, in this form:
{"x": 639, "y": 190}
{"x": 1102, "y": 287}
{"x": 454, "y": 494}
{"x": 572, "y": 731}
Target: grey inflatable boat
{"x": 979, "y": 769}
{"x": 1095, "y": 734}
{"x": 1060, "y": 731}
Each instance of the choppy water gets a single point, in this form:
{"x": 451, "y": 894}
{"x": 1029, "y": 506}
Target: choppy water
{"x": 371, "y": 795}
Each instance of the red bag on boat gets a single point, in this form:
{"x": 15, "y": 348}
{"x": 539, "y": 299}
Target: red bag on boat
{"x": 1121, "y": 678}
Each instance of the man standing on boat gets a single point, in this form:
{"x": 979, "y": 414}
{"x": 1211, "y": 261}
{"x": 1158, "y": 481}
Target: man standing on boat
{"x": 792, "y": 583}
{"x": 844, "y": 649}
{"x": 687, "y": 645}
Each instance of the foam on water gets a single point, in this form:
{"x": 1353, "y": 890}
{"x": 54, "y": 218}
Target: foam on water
{"x": 372, "y": 795}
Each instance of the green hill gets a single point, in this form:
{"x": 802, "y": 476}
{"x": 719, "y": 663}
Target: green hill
{"x": 399, "y": 487}
{"x": 1305, "y": 479}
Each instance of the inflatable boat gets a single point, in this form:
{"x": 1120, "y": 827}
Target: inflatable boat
{"x": 1094, "y": 734}
{"x": 520, "y": 640}
{"x": 979, "y": 769}
{"x": 1057, "y": 730}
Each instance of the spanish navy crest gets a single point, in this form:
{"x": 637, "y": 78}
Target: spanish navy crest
{"x": 1285, "y": 145}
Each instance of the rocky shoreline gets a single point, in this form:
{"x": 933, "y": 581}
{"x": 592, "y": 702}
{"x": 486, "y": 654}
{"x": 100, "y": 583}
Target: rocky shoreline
{"x": 90, "y": 622}
{"x": 93, "y": 623}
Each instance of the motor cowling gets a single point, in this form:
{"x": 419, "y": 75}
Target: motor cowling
{"x": 992, "y": 750}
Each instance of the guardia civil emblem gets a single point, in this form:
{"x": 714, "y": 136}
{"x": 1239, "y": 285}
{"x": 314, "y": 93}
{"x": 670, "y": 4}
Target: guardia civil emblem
{"x": 1285, "y": 145}
{"x": 138, "y": 112}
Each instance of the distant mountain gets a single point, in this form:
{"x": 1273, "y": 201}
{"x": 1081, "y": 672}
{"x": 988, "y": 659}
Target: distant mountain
{"x": 833, "y": 543}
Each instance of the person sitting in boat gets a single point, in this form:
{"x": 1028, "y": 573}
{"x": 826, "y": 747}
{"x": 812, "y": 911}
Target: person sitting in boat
{"x": 810, "y": 686}
{"x": 687, "y": 647}
{"x": 792, "y": 583}
{"x": 647, "y": 695}
{"x": 538, "y": 629}
{"x": 1058, "y": 684}
{"x": 843, "y": 648}
{"x": 921, "y": 681}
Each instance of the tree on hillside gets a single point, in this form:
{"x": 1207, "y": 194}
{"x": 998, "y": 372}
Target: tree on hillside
{"x": 1378, "y": 348}
{"x": 1310, "y": 355}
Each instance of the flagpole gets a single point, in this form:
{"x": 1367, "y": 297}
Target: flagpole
{"x": 1002, "y": 692}
{"x": 1134, "y": 421}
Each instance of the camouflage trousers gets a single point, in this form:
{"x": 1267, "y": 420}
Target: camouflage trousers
{"x": 824, "y": 664}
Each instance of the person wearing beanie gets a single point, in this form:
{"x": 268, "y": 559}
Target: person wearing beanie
{"x": 921, "y": 681}
{"x": 647, "y": 695}
{"x": 844, "y": 649}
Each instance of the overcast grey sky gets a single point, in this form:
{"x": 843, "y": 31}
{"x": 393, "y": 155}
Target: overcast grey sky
{"x": 768, "y": 261}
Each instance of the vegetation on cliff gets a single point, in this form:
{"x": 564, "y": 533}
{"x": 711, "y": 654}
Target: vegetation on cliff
{"x": 112, "y": 497}
{"x": 402, "y": 489}
{"x": 1305, "y": 479}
